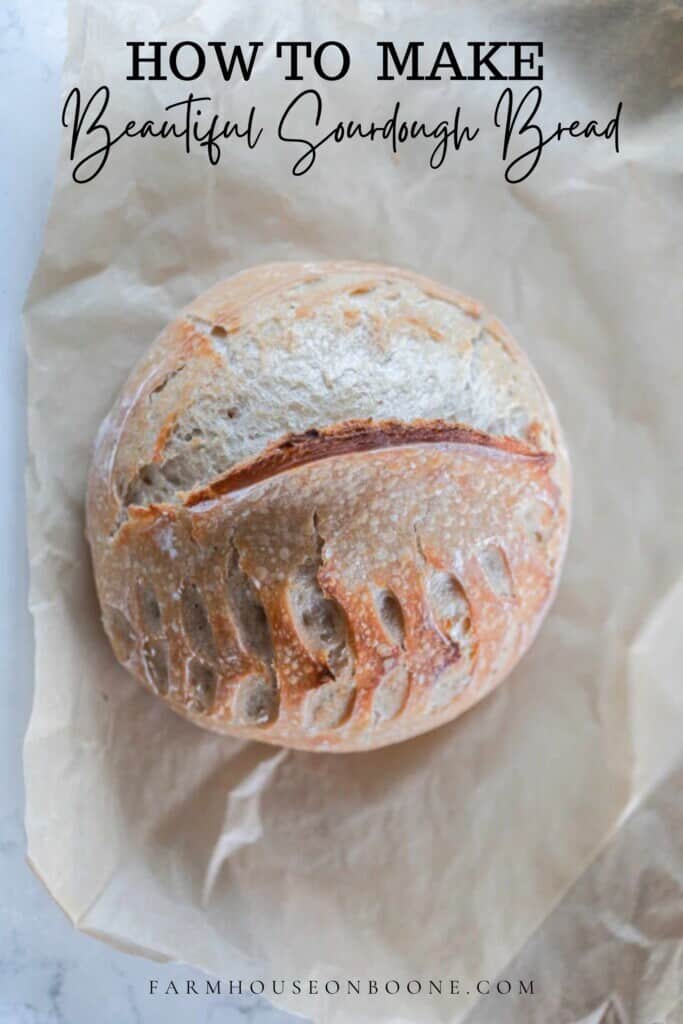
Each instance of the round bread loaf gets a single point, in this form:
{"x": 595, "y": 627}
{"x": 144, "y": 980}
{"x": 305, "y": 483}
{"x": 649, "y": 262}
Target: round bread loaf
{"x": 329, "y": 508}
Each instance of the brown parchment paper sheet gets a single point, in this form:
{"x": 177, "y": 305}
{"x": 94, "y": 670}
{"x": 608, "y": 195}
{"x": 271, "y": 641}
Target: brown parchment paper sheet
{"x": 437, "y": 858}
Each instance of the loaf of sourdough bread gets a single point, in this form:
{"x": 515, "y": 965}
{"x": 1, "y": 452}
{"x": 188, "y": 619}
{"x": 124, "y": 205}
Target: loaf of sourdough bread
{"x": 329, "y": 508}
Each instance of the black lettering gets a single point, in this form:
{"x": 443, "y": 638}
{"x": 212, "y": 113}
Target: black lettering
{"x": 612, "y": 128}
{"x": 485, "y": 59}
{"x": 246, "y": 67}
{"x": 307, "y": 158}
{"x": 137, "y": 60}
{"x": 318, "y": 61}
{"x": 506, "y": 101}
{"x": 457, "y": 134}
{"x": 173, "y": 60}
{"x": 92, "y": 127}
{"x": 445, "y": 58}
{"x": 411, "y": 54}
{"x": 529, "y": 60}
{"x": 293, "y": 75}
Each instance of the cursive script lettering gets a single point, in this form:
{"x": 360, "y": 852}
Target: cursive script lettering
{"x": 85, "y": 121}
{"x": 394, "y": 129}
{"x": 517, "y": 121}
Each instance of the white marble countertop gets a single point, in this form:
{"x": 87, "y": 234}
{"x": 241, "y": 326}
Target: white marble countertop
{"x": 49, "y": 972}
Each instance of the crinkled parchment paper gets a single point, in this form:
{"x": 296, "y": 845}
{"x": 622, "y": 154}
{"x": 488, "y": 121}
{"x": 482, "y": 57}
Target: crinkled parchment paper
{"x": 437, "y": 858}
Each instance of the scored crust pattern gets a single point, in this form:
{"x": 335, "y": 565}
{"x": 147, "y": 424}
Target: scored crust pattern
{"x": 349, "y": 600}
{"x": 344, "y": 588}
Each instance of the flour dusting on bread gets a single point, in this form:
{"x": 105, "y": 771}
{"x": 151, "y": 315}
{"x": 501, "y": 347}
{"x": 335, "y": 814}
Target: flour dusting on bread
{"x": 329, "y": 508}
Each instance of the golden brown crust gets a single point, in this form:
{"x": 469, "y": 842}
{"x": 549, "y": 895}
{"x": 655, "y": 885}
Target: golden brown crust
{"x": 413, "y": 515}
{"x": 348, "y": 438}
{"x": 343, "y": 586}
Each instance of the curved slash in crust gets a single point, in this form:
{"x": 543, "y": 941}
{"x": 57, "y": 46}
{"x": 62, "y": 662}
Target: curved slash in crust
{"x": 348, "y": 438}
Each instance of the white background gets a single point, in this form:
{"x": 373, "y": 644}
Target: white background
{"x": 49, "y": 972}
